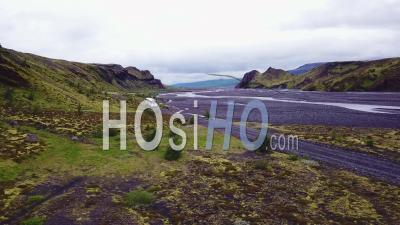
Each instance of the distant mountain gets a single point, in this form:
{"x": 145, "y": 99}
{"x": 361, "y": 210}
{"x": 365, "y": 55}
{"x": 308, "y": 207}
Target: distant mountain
{"x": 272, "y": 78}
{"x": 376, "y": 75}
{"x": 220, "y": 83}
{"x": 304, "y": 68}
{"x": 60, "y": 83}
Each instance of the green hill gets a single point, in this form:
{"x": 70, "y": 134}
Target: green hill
{"x": 28, "y": 80}
{"x": 376, "y": 75}
{"x": 272, "y": 78}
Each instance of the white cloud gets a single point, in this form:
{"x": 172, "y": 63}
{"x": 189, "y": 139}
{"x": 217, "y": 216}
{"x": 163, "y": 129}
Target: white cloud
{"x": 178, "y": 40}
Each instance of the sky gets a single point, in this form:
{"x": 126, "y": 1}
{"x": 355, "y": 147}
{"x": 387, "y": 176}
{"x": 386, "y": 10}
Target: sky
{"x": 183, "y": 40}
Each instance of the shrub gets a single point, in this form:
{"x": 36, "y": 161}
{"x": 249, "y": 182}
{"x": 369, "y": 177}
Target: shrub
{"x": 79, "y": 109}
{"x": 36, "y": 198}
{"x": 31, "y": 96}
{"x": 33, "y": 221}
{"x": 149, "y": 133}
{"x": 98, "y": 133}
{"x": 293, "y": 157}
{"x": 36, "y": 109}
{"x": 139, "y": 198}
{"x": 264, "y": 147}
{"x": 171, "y": 154}
{"x": 9, "y": 95}
{"x": 112, "y": 132}
{"x": 148, "y": 114}
{"x": 191, "y": 120}
{"x": 369, "y": 142}
{"x": 207, "y": 114}
{"x": 333, "y": 135}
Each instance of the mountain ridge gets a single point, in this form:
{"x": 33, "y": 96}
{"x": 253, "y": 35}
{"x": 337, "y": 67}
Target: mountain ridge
{"x": 62, "y": 83}
{"x": 270, "y": 78}
{"x": 374, "y": 75}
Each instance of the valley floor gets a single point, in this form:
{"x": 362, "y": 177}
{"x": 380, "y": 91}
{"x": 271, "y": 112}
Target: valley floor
{"x": 66, "y": 178}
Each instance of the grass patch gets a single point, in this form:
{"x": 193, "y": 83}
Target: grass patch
{"x": 293, "y": 157}
{"x": 9, "y": 170}
{"x": 33, "y": 221}
{"x": 61, "y": 156}
{"x": 139, "y": 198}
{"x": 36, "y": 198}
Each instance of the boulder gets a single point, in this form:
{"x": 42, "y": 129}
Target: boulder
{"x": 74, "y": 138}
{"x": 31, "y": 138}
{"x": 13, "y": 123}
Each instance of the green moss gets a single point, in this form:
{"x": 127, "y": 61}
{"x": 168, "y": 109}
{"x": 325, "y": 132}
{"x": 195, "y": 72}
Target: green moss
{"x": 262, "y": 165}
{"x": 353, "y": 206}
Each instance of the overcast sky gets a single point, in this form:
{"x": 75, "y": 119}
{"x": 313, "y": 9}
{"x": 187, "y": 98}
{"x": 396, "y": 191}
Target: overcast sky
{"x": 181, "y": 40}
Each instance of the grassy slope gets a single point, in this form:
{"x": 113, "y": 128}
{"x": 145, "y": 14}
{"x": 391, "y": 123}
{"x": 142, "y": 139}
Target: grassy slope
{"x": 39, "y": 82}
{"x": 272, "y": 78}
{"x": 377, "y": 75}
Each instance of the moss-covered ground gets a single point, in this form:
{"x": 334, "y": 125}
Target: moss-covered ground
{"x": 65, "y": 181}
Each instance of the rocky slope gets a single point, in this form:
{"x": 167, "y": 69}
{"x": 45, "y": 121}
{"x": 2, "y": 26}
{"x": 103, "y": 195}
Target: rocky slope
{"x": 23, "y": 69}
{"x": 376, "y": 75}
{"x": 57, "y": 82}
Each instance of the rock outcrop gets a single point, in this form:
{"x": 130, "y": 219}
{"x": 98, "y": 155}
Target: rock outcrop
{"x": 23, "y": 69}
{"x": 247, "y": 78}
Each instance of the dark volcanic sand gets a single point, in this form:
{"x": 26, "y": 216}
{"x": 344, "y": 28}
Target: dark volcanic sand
{"x": 300, "y": 113}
